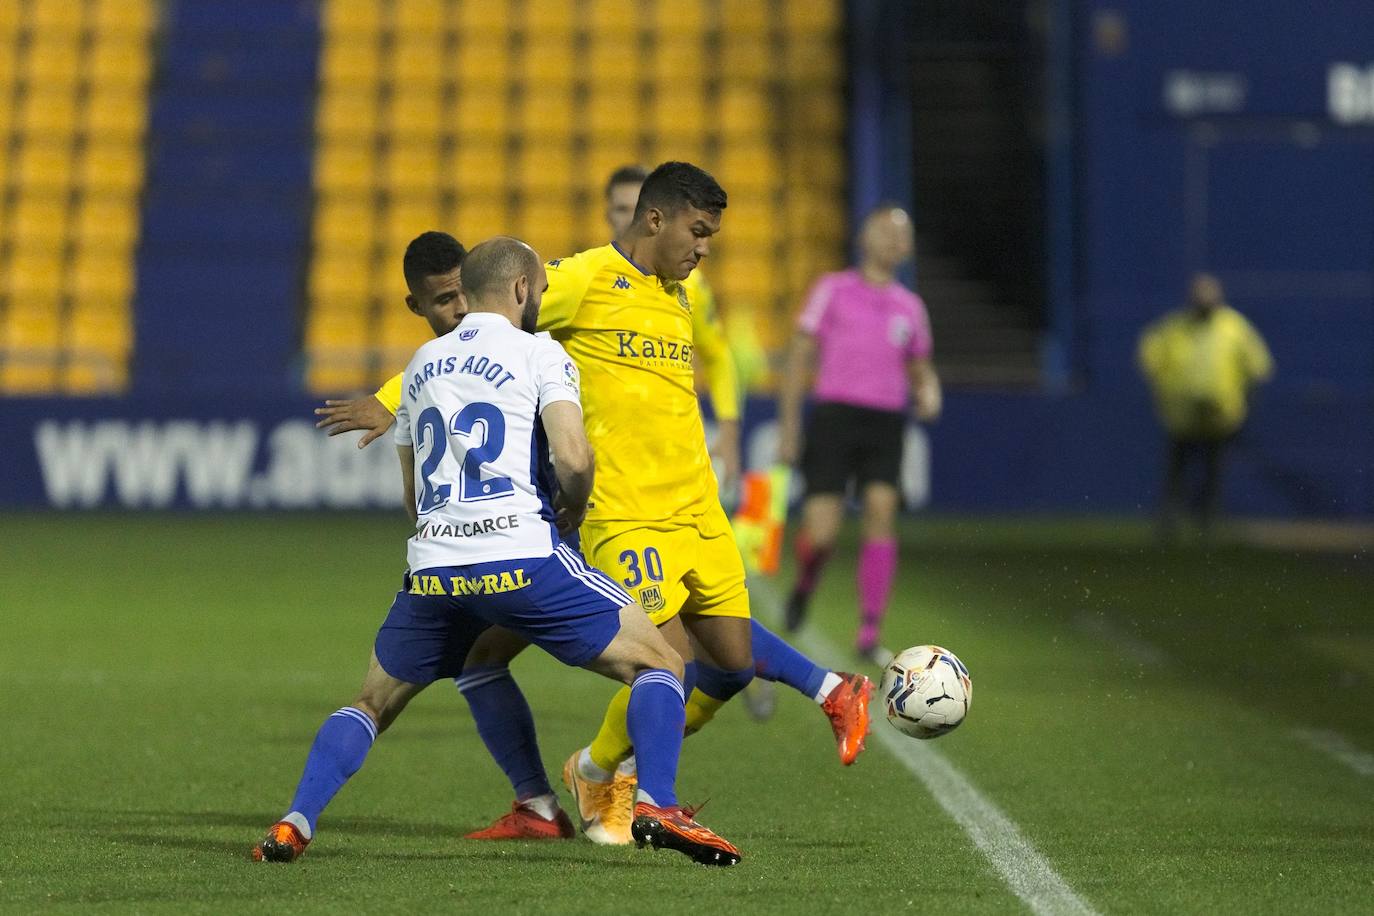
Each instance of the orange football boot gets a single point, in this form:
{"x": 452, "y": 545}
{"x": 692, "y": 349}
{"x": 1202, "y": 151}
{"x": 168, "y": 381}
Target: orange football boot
{"x": 522, "y": 823}
{"x": 283, "y": 843}
{"x": 603, "y": 808}
{"x": 847, "y": 708}
{"x": 676, "y": 828}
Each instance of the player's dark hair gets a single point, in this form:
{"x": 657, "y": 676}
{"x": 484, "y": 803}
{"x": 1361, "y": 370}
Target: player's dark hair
{"x": 674, "y": 185}
{"x": 496, "y": 263}
{"x": 431, "y": 253}
{"x": 626, "y": 174}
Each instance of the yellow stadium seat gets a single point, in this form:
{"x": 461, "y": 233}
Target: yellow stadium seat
{"x": 479, "y": 216}
{"x": 679, "y": 61}
{"x": 353, "y": 18}
{"x": 547, "y": 62}
{"x": 345, "y": 165}
{"x": 482, "y": 167}
{"x": 54, "y": 60}
{"x": 481, "y": 112}
{"x": 418, "y": 63}
{"x": 549, "y": 223}
{"x": 681, "y": 149}
{"x": 614, "y": 18}
{"x": 403, "y": 221}
{"x": 86, "y": 374}
{"x": 46, "y": 167}
{"x": 613, "y": 113}
{"x": 544, "y": 166}
{"x": 96, "y": 328}
{"x": 549, "y": 17}
{"x": 30, "y": 349}
{"x": 744, "y": 17}
{"x": 100, "y": 277}
{"x": 816, "y": 61}
{"x": 412, "y": 17}
{"x": 40, "y": 220}
{"x": 340, "y": 275}
{"x": 414, "y": 115}
{"x": 344, "y": 221}
{"x": 744, "y": 113}
{"x": 47, "y": 114}
{"x": 327, "y": 327}
{"x": 675, "y": 115}
{"x": 349, "y": 61}
{"x": 332, "y": 377}
{"x": 489, "y": 18}
{"x": 483, "y": 60}
{"x": 124, "y": 17}
{"x": 33, "y": 275}
{"x": 746, "y": 59}
{"x": 810, "y": 17}
{"x": 603, "y": 157}
{"x": 115, "y": 113}
{"x": 548, "y": 113}
{"x": 612, "y": 63}
{"x": 347, "y": 112}
{"x": 748, "y": 166}
{"x": 107, "y": 221}
{"x": 119, "y": 61}
{"x": 11, "y": 17}
{"x": 671, "y": 20}
{"x": 8, "y": 65}
{"x": 412, "y": 168}
{"x": 111, "y": 167}
{"x": 61, "y": 16}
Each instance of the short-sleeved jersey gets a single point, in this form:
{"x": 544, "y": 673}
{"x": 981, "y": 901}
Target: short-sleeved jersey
{"x": 470, "y": 408}
{"x": 865, "y": 335}
{"x": 632, "y": 336}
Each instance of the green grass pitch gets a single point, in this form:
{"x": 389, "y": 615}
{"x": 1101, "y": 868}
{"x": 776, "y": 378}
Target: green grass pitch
{"x": 1164, "y": 728}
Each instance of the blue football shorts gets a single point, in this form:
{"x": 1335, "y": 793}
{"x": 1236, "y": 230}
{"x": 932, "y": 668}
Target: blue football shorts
{"x": 558, "y": 602}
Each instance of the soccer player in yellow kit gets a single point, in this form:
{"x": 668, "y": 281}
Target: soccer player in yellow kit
{"x": 629, "y": 321}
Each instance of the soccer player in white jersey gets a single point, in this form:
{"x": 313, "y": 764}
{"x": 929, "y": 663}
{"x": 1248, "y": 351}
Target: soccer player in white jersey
{"x": 482, "y": 405}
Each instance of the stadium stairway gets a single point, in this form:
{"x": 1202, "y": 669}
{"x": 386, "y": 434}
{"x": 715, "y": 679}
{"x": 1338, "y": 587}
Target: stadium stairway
{"x": 226, "y": 213}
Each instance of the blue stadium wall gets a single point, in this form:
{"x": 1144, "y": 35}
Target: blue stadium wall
{"x": 1266, "y": 119}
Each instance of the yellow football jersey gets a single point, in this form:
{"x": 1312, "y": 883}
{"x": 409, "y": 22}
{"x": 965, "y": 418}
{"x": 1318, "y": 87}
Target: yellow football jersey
{"x": 633, "y": 338}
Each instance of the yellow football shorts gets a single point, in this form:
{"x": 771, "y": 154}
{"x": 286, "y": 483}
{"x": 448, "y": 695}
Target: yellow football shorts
{"x": 688, "y": 564}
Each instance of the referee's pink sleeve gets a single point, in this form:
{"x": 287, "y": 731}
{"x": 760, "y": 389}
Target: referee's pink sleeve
{"x": 817, "y": 301}
{"x": 922, "y": 343}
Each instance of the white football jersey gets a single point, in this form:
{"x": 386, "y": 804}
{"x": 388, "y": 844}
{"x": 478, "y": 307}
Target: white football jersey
{"x": 470, "y": 408}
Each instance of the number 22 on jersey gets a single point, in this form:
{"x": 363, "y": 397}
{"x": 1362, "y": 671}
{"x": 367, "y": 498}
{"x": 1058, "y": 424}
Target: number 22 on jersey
{"x": 481, "y": 429}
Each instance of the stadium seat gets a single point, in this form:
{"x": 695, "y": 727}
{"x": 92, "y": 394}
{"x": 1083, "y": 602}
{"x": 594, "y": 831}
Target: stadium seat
{"x": 613, "y": 62}
{"x": 348, "y": 112}
{"x": 678, "y": 60}
{"x": 747, "y": 58}
{"x": 40, "y": 220}
{"x": 414, "y": 115}
{"x": 351, "y": 19}
{"x": 45, "y": 166}
{"x": 550, "y": 17}
{"x": 100, "y": 276}
{"x": 30, "y": 349}
{"x": 484, "y": 18}
{"x": 419, "y": 62}
{"x": 548, "y": 112}
{"x": 33, "y": 275}
{"x": 345, "y": 165}
{"x": 614, "y": 18}
{"x": 483, "y": 60}
{"x": 676, "y": 116}
{"x": 744, "y": 17}
{"x": 544, "y": 167}
{"x": 749, "y": 167}
{"x": 403, "y": 221}
{"x": 349, "y": 63}
{"x": 412, "y": 168}
{"x": 115, "y": 113}
{"x": 418, "y": 17}
{"x": 481, "y": 166}
{"x": 54, "y": 60}
{"x": 55, "y": 16}
{"x": 119, "y": 61}
{"x": 107, "y": 221}
{"x": 744, "y": 112}
{"x": 47, "y": 114}
{"x": 113, "y": 167}
{"x": 481, "y": 112}
{"x": 803, "y": 18}
{"x": 813, "y": 61}
{"x": 340, "y": 274}
{"x": 344, "y": 221}
{"x": 480, "y": 216}
{"x": 547, "y": 63}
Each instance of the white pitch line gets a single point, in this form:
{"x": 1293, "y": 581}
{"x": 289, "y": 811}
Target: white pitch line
{"x": 1029, "y": 874}
{"x": 1335, "y": 746}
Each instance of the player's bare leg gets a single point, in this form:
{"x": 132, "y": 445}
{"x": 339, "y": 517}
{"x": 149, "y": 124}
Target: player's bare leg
{"x": 877, "y": 565}
{"x": 339, "y": 748}
{"x": 822, "y": 516}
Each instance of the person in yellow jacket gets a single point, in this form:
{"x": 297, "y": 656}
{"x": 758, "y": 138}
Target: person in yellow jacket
{"x": 1201, "y": 362}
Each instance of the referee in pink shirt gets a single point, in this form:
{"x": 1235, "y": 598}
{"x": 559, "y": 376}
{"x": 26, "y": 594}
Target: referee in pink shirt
{"x": 866, "y": 339}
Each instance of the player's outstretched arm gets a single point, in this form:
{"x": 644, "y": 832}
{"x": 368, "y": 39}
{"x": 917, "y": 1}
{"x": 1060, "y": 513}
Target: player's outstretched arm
{"x": 366, "y": 413}
{"x": 801, "y": 362}
{"x": 572, "y": 462}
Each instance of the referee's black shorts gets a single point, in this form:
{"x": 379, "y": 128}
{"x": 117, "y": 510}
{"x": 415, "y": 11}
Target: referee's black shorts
{"x": 845, "y": 443}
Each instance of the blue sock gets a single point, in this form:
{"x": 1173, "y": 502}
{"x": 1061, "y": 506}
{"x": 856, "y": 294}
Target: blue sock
{"x": 340, "y": 746}
{"x": 507, "y": 728}
{"x": 689, "y": 678}
{"x": 656, "y": 717}
{"x": 720, "y": 684}
{"x": 775, "y": 660}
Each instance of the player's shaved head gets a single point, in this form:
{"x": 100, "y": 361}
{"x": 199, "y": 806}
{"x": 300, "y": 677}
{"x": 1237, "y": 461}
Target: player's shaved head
{"x": 504, "y": 275}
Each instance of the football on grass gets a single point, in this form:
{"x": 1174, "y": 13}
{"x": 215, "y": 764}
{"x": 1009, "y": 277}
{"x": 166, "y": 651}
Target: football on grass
{"x": 926, "y": 691}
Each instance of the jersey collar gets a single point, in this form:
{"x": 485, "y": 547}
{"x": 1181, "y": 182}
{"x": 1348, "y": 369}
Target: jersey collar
{"x": 473, "y": 319}
{"x": 621, "y": 252}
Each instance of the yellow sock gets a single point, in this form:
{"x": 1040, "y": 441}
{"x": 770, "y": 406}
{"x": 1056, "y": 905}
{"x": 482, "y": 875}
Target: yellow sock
{"x": 700, "y": 710}
{"x": 612, "y": 743}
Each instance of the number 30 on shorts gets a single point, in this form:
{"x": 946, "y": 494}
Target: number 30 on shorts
{"x": 652, "y": 566}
